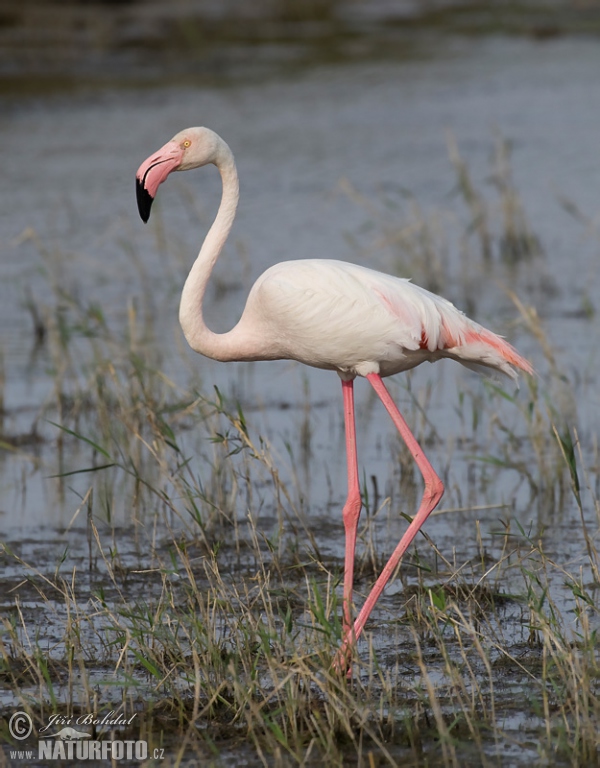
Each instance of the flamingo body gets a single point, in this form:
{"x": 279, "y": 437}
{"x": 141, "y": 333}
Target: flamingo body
{"x": 331, "y": 315}
{"x": 354, "y": 320}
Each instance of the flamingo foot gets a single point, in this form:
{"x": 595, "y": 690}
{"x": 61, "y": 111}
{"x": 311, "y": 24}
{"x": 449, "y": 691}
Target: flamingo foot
{"x": 341, "y": 664}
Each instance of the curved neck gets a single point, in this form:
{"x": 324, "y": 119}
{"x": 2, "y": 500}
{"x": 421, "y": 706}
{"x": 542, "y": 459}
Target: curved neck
{"x": 199, "y": 337}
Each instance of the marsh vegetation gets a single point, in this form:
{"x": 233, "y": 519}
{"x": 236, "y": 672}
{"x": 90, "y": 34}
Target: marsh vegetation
{"x": 197, "y": 589}
{"x": 171, "y": 543}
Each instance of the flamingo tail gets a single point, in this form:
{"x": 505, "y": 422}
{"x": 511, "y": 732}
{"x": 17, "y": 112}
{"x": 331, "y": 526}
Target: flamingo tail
{"x": 481, "y": 347}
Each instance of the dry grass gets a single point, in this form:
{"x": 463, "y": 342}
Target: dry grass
{"x": 217, "y": 624}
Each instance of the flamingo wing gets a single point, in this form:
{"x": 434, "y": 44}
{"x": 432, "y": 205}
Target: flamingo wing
{"x": 332, "y": 314}
{"x": 448, "y": 332}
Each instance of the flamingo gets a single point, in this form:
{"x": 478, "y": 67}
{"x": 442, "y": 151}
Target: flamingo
{"x": 331, "y": 315}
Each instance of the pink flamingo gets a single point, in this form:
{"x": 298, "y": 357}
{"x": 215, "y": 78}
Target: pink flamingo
{"x": 332, "y": 315}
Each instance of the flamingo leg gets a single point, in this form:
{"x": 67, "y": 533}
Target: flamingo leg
{"x": 351, "y": 511}
{"x": 432, "y": 494}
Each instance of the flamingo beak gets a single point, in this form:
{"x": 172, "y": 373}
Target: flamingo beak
{"x": 151, "y": 174}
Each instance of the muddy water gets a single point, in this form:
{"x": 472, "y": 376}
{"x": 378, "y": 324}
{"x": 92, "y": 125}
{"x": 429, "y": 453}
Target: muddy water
{"x": 68, "y": 218}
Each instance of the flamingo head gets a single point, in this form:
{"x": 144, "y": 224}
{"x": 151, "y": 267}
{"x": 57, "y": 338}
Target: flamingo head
{"x": 188, "y": 149}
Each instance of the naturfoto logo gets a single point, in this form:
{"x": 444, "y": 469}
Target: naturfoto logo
{"x": 72, "y": 743}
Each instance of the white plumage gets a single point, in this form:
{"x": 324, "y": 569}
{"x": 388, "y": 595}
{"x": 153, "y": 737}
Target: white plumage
{"x": 340, "y": 316}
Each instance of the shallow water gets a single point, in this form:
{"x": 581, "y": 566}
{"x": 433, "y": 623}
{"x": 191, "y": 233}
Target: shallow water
{"x": 69, "y": 164}
{"x": 69, "y": 219}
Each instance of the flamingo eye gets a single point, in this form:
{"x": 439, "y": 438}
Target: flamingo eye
{"x": 187, "y": 143}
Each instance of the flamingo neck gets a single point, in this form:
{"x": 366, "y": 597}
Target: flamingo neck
{"x": 199, "y": 336}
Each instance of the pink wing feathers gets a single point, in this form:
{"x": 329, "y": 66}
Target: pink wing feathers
{"x": 444, "y": 329}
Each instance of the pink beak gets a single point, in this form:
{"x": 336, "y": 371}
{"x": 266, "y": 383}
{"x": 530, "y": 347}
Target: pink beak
{"x": 152, "y": 172}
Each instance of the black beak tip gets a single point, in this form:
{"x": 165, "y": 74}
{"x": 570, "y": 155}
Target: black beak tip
{"x": 144, "y": 200}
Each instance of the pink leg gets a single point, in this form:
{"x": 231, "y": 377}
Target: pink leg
{"x": 351, "y": 511}
{"x": 431, "y": 497}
